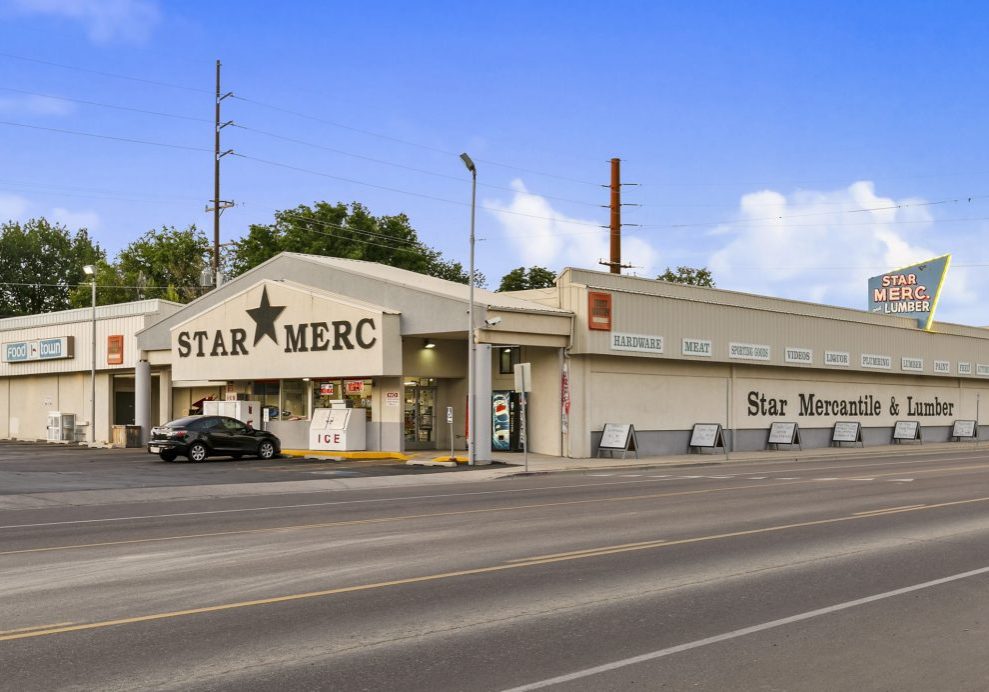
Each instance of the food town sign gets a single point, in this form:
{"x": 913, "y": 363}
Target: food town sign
{"x": 278, "y": 329}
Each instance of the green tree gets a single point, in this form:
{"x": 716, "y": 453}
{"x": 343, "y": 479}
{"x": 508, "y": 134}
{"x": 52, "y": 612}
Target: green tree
{"x": 41, "y": 265}
{"x": 340, "y": 230}
{"x": 692, "y": 276}
{"x": 520, "y": 279}
{"x": 167, "y": 263}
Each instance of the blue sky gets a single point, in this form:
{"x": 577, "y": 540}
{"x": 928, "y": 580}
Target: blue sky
{"x": 793, "y": 148}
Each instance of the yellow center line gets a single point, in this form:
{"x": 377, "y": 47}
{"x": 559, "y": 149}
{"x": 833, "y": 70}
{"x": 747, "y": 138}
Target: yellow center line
{"x": 647, "y": 544}
{"x": 531, "y": 562}
{"x": 885, "y": 510}
{"x": 384, "y": 520}
{"x": 35, "y": 627}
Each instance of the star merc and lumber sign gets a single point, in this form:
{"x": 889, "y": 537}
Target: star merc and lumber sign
{"x": 911, "y": 291}
{"x": 280, "y": 330}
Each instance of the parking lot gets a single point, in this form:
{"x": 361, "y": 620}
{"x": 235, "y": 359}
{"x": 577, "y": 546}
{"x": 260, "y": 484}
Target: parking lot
{"x": 38, "y": 467}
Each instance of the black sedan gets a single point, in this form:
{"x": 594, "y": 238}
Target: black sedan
{"x": 199, "y": 437}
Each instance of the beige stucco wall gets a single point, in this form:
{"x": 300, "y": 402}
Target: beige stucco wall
{"x": 662, "y": 395}
{"x": 32, "y": 398}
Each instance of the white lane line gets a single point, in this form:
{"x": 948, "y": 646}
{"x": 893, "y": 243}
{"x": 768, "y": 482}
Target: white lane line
{"x": 900, "y": 480}
{"x": 788, "y": 478}
{"x": 826, "y": 479}
{"x": 665, "y": 475}
{"x": 756, "y": 478}
{"x": 632, "y": 475}
{"x": 329, "y": 503}
{"x": 745, "y": 631}
{"x": 860, "y": 479}
{"x": 601, "y": 475}
{"x": 720, "y": 476}
{"x": 691, "y": 476}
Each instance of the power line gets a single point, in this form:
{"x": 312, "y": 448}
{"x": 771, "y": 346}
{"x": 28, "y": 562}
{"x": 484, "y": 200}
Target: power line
{"x": 404, "y": 192}
{"x": 110, "y": 137}
{"x": 407, "y": 168}
{"x": 319, "y": 222}
{"x": 406, "y": 142}
{"x": 104, "y": 193}
{"x": 105, "y": 105}
{"x": 105, "y": 74}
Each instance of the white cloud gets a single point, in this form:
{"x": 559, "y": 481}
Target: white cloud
{"x": 105, "y": 20}
{"x": 811, "y": 246}
{"x": 74, "y": 220}
{"x": 35, "y": 105}
{"x": 12, "y": 206}
{"x": 548, "y": 238}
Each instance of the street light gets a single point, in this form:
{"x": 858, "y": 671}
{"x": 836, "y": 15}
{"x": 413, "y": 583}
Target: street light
{"x": 90, "y": 271}
{"x": 471, "y": 346}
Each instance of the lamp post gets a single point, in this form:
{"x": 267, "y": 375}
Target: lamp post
{"x": 90, "y": 271}
{"x": 471, "y": 346}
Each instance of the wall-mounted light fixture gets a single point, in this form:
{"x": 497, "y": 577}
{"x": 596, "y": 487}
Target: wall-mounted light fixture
{"x": 429, "y": 344}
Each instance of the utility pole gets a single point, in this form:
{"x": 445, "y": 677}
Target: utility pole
{"x": 614, "y": 263}
{"x": 218, "y": 204}
{"x": 616, "y": 217}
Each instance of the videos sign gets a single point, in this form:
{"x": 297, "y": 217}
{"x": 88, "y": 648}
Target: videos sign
{"x": 911, "y": 291}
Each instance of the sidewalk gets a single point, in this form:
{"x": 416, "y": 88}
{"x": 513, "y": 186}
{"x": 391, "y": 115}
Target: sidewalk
{"x": 541, "y": 463}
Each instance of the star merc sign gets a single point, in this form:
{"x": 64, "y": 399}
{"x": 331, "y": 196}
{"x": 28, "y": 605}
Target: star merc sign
{"x": 302, "y": 337}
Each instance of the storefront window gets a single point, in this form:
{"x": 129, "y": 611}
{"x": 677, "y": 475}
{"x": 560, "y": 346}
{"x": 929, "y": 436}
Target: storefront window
{"x": 357, "y": 392}
{"x": 266, "y": 392}
{"x": 294, "y": 399}
{"x": 508, "y": 357}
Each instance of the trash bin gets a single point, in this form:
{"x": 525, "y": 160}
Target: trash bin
{"x": 127, "y": 436}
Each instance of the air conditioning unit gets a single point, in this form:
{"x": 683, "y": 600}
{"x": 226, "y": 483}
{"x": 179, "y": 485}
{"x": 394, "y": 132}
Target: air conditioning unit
{"x": 61, "y": 427}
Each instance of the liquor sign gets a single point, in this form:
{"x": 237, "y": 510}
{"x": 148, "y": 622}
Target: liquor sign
{"x": 911, "y": 291}
{"x": 39, "y": 349}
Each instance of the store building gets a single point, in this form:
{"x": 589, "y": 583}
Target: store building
{"x": 46, "y": 366}
{"x": 300, "y": 332}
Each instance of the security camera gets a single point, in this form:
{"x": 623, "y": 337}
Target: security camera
{"x": 492, "y": 321}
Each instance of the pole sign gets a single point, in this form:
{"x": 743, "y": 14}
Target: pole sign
{"x": 39, "y": 349}
{"x": 911, "y": 291}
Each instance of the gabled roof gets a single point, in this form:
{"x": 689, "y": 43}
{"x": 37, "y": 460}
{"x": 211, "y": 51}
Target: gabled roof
{"x": 428, "y": 284}
{"x": 426, "y": 304}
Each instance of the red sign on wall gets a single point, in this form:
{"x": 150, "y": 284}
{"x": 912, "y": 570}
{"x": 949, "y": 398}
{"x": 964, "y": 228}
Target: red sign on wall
{"x": 115, "y": 349}
{"x": 599, "y": 310}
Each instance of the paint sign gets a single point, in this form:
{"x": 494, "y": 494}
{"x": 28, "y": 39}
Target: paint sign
{"x": 911, "y": 291}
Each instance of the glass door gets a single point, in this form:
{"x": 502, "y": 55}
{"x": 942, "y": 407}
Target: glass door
{"x": 420, "y": 418}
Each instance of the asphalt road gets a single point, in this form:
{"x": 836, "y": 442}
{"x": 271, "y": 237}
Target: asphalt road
{"x": 850, "y": 574}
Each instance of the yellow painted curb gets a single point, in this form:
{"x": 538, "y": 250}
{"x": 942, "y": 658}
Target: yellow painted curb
{"x": 459, "y": 460}
{"x": 305, "y": 453}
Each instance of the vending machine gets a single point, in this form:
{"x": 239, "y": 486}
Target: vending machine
{"x": 506, "y": 421}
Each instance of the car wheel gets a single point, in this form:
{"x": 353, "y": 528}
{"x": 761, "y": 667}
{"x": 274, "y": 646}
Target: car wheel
{"x": 266, "y": 450}
{"x": 198, "y": 452}
{"x": 167, "y": 456}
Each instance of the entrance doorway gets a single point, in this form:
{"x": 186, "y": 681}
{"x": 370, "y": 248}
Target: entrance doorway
{"x": 420, "y": 419}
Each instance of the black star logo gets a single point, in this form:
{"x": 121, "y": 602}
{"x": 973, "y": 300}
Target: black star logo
{"x": 264, "y": 317}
